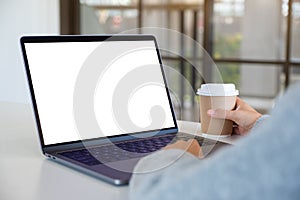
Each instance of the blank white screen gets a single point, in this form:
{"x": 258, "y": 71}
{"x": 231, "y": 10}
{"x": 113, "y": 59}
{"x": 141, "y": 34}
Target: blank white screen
{"x": 54, "y": 68}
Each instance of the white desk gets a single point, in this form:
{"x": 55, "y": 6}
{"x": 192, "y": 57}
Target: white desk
{"x": 26, "y": 174}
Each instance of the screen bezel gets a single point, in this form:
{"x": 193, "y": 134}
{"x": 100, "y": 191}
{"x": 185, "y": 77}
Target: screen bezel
{"x": 92, "y": 38}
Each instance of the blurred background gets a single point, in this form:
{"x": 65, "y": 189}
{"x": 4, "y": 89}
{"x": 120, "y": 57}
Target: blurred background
{"x": 254, "y": 43}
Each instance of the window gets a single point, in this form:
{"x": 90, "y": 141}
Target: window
{"x": 253, "y": 43}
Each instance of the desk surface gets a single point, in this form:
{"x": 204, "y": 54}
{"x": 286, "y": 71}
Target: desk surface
{"x": 26, "y": 174}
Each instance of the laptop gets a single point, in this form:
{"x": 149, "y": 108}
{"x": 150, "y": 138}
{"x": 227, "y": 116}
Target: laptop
{"x": 101, "y": 102}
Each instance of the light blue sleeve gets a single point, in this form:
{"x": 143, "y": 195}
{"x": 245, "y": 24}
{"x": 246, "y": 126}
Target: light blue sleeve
{"x": 152, "y": 170}
{"x": 260, "y": 121}
{"x": 264, "y": 165}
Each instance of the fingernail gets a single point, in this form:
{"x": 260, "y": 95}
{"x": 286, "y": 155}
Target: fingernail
{"x": 211, "y": 112}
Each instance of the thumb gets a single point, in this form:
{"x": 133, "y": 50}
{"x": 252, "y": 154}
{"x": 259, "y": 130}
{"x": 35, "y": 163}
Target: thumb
{"x": 221, "y": 114}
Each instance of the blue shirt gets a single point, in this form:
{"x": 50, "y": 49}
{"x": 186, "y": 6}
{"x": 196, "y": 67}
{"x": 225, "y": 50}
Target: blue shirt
{"x": 263, "y": 165}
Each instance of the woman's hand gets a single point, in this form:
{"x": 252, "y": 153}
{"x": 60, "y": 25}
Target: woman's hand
{"x": 244, "y": 116}
{"x": 191, "y": 146}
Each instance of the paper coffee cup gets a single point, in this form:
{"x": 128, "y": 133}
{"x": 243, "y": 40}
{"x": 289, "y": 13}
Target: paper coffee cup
{"x": 216, "y": 96}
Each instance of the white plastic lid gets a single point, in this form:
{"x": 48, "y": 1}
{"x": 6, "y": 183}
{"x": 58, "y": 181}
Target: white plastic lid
{"x": 217, "y": 89}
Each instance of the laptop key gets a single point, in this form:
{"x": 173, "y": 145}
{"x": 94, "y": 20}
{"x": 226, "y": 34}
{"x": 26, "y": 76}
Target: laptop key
{"x": 119, "y": 151}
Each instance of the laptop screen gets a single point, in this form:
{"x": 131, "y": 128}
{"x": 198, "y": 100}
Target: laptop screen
{"x": 93, "y": 89}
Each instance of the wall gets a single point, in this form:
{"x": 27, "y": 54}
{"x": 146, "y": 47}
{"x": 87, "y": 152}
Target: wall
{"x": 17, "y": 18}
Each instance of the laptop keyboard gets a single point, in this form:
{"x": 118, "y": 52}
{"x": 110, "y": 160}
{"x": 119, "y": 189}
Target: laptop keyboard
{"x": 124, "y": 150}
